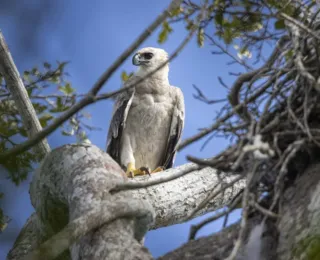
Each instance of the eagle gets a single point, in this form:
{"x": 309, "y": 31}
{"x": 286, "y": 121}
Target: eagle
{"x": 148, "y": 119}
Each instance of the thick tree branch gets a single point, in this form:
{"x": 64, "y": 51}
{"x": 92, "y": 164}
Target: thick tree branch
{"x": 20, "y": 96}
{"x": 108, "y": 212}
{"x": 78, "y": 178}
{"x": 294, "y": 236}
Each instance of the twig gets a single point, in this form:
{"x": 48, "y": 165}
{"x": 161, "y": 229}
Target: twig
{"x": 217, "y": 124}
{"x": 200, "y": 96}
{"x": 245, "y": 212}
{"x": 195, "y": 228}
{"x": 155, "y": 181}
{"x": 236, "y": 88}
{"x": 20, "y": 95}
{"x": 291, "y": 151}
{"x": 263, "y": 210}
{"x": 234, "y": 204}
{"x": 300, "y": 25}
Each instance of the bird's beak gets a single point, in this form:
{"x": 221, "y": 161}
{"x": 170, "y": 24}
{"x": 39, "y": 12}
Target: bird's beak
{"x": 136, "y": 59}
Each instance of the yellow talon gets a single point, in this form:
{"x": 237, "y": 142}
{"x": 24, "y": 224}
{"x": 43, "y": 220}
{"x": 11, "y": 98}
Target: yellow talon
{"x": 132, "y": 171}
{"x": 158, "y": 169}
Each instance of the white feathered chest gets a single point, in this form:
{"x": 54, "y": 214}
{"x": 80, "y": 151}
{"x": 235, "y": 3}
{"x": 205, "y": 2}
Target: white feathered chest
{"x": 148, "y": 123}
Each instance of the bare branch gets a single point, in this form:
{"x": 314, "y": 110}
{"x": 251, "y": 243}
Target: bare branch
{"x": 157, "y": 180}
{"x": 20, "y": 95}
{"x": 217, "y": 124}
{"x": 300, "y": 25}
{"x": 195, "y": 228}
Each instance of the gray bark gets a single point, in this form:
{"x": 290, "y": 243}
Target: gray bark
{"x": 76, "y": 179}
{"x": 20, "y": 96}
{"x": 73, "y": 182}
{"x": 296, "y": 236}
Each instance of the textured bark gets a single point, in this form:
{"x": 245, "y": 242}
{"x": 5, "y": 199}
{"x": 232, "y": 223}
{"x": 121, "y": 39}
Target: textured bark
{"x": 77, "y": 178}
{"x": 74, "y": 179}
{"x": 296, "y": 236}
{"x": 20, "y": 96}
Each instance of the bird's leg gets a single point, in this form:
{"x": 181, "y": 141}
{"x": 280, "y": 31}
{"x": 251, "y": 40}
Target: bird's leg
{"x": 132, "y": 171}
{"x": 158, "y": 169}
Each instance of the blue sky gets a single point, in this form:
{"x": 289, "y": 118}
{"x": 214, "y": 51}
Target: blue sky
{"x": 90, "y": 36}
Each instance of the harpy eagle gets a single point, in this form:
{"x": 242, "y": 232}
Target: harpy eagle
{"x": 147, "y": 120}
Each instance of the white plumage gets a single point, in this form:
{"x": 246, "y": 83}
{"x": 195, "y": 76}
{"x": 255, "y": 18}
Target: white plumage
{"x": 148, "y": 120}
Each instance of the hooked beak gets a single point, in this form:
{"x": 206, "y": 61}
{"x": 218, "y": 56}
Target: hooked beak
{"x": 139, "y": 60}
{"x": 136, "y": 59}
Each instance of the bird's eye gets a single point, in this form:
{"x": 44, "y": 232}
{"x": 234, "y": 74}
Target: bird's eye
{"x": 148, "y": 55}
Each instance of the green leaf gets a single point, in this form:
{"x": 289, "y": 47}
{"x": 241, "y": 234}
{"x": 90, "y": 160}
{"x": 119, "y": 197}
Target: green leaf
{"x": 23, "y": 132}
{"x": 71, "y": 133}
{"x": 190, "y": 25}
{"x": 67, "y": 89}
{"x": 227, "y": 36}
{"x": 47, "y": 65}
{"x": 20, "y": 165}
{"x": 124, "y": 76}
{"x": 30, "y": 90}
{"x": 219, "y": 18}
{"x": 45, "y": 119}
{"x": 200, "y": 37}
{"x": 176, "y": 12}
{"x": 289, "y": 55}
{"x": 55, "y": 79}
{"x": 61, "y": 65}
{"x": 35, "y": 71}
{"x": 279, "y": 25}
{"x": 39, "y": 107}
{"x": 26, "y": 76}
{"x": 166, "y": 29}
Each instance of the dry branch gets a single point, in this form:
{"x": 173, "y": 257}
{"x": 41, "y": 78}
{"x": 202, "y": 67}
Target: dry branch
{"x": 20, "y": 96}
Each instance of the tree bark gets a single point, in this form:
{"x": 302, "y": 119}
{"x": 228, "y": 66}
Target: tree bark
{"x": 75, "y": 180}
{"x": 20, "y": 96}
{"x": 298, "y": 228}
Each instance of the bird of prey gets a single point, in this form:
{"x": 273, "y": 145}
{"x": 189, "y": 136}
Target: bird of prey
{"x": 147, "y": 120}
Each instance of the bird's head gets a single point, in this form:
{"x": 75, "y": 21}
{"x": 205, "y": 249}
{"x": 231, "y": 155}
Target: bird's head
{"x": 148, "y": 59}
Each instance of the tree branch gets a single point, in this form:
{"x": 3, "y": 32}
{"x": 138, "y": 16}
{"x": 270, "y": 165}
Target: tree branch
{"x": 108, "y": 212}
{"x": 77, "y": 179}
{"x": 20, "y": 95}
{"x": 218, "y": 123}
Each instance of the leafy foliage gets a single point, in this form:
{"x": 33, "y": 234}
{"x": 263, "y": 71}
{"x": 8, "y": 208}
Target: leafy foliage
{"x": 249, "y": 24}
{"x": 125, "y": 76}
{"x": 50, "y": 95}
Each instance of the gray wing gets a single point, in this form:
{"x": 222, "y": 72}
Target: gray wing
{"x": 117, "y": 124}
{"x": 176, "y": 127}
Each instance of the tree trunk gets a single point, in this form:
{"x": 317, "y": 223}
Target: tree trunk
{"x": 74, "y": 187}
{"x": 71, "y": 192}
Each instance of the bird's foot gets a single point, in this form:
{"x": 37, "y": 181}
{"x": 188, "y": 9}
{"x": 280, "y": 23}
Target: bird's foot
{"x": 132, "y": 171}
{"x": 158, "y": 169}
